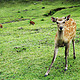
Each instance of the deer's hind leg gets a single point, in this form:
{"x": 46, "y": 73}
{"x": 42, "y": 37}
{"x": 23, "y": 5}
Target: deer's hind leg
{"x": 73, "y": 42}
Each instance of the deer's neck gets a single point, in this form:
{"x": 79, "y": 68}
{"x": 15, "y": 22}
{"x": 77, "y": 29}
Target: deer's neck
{"x": 60, "y": 35}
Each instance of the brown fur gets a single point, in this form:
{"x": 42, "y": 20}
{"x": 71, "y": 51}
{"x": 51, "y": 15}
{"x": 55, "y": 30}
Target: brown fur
{"x": 31, "y": 22}
{"x": 1, "y": 26}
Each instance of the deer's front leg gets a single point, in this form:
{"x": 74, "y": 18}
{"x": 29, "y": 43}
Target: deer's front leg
{"x": 54, "y": 57}
{"x": 66, "y": 54}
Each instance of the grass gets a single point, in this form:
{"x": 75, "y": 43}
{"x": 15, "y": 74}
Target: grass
{"x": 25, "y": 54}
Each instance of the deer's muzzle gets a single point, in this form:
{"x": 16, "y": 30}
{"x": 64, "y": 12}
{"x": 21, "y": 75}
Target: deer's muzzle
{"x": 60, "y": 28}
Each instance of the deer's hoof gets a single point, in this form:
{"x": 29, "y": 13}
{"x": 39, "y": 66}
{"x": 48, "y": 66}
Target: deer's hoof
{"x": 74, "y": 57}
{"x": 65, "y": 69}
{"x": 46, "y": 74}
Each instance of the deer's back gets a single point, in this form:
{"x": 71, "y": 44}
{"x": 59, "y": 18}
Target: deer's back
{"x": 70, "y": 29}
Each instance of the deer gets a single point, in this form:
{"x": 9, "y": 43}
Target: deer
{"x": 66, "y": 31}
{"x": 31, "y": 22}
{"x": 1, "y": 26}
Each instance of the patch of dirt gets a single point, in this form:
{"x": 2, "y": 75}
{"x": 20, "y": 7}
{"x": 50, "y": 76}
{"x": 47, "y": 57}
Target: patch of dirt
{"x": 53, "y": 11}
{"x": 19, "y": 48}
{"x": 20, "y": 28}
{"x": 25, "y": 10}
{"x": 16, "y": 20}
{"x": 34, "y": 29}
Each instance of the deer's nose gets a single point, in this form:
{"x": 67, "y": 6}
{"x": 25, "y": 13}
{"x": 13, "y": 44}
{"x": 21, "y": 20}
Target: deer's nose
{"x": 61, "y": 28}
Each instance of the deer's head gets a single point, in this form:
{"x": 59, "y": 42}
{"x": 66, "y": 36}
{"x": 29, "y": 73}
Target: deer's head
{"x": 60, "y": 22}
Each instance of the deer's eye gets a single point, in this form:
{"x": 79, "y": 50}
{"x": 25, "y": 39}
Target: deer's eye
{"x": 57, "y": 22}
{"x": 64, "y": 22}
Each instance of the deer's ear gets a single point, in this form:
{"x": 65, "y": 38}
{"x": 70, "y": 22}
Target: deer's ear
{"x": 53, "y": 19}
{"x": 67, "y": 18}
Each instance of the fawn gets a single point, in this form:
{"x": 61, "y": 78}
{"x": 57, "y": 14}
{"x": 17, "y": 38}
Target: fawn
{"x": 31, "y": 22}
{"x": 66, "y": 32}
{"x": 1, "y": 26}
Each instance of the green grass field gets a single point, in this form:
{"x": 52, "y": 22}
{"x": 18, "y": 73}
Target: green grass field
{"x": 26, "y": 54}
